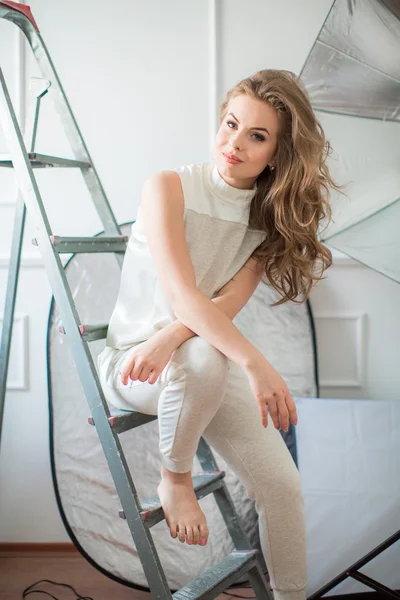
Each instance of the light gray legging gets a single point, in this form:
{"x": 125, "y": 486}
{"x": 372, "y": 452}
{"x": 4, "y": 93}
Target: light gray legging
{"x": 201, "y": 392}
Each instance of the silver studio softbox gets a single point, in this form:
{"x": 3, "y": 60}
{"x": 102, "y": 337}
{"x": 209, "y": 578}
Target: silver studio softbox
{"x": 352, "y": 76}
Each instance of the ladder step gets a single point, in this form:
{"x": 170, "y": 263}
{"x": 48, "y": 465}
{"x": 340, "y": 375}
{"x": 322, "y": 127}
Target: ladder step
{"x": 124, "y": 420}
{"x": 90, "y": 333}
{"x": 43, "y": 161}
{"x": 203, "y": 484}
{"x": 85, "y": 245}
{"x": 219, "y": 577}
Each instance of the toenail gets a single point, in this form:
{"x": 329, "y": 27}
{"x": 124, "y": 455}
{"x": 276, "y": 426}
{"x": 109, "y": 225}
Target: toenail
{"x": 190, "y": 542}
{"x": 203, "y": 541}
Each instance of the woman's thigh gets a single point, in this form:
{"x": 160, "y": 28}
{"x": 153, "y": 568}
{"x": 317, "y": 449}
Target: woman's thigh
{"x": 196, "y": 367}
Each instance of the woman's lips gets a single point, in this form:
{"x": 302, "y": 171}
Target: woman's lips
{"x": 233, "y": 161}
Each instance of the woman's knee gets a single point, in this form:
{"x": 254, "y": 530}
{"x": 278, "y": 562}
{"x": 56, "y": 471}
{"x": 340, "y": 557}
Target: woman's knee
{"x": 201, "y": 360}
{"x": 279, "y": 486}
{"x": 290, "y": 480}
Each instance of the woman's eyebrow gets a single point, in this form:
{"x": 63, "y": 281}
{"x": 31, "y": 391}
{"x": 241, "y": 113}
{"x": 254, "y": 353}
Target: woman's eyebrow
{"x": 262, "y": 128}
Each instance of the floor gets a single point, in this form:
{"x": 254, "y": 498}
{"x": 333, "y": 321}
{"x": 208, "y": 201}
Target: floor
{"x": 18, "y": 572}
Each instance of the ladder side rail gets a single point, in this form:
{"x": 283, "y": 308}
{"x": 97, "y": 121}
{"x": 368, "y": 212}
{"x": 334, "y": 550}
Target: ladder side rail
{"x": 126, "y": 491}
{"x": 11, "y": 293}
{"x": 74, "y": 136}
{"x": 82, "y": 357}
{"x": 68, "y": 120}
{"x": 258, "y": 582}
{"x": 14, "y": 266}
{"x": 223, "y": 498}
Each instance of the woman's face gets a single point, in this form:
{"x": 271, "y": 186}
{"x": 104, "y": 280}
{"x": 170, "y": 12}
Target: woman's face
{"x": 242, "y": 133}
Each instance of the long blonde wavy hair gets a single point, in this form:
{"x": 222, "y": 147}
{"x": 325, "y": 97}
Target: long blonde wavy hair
{"x": 289, "y": 202}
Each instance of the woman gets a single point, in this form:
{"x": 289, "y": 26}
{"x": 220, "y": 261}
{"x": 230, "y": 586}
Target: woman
{"x": 204, "y": 236}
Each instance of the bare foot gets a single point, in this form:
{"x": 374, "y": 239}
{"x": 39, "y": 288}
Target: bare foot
{"x": 181, "y": 508}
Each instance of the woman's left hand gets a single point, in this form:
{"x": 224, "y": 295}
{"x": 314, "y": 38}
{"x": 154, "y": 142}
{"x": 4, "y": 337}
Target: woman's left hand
{"x": 148, "y": 359}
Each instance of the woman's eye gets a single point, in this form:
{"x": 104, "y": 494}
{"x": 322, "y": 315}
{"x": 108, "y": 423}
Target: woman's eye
{"x": 260, "y": 138}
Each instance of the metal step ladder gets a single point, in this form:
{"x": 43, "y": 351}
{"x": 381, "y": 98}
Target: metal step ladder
{"x": 140, "y": 516}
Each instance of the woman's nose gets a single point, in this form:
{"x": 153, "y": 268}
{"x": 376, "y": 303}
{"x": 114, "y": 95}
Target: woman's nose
{"x": 235, "y": 143}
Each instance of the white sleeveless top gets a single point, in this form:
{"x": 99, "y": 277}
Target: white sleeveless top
{"x": 216, "y": 217}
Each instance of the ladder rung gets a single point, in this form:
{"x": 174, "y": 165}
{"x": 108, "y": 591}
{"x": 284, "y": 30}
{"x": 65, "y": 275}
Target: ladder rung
{"x": 90, "y": 333}
{"x": 43, "y": 161}
{"x": 203, "y": 484}
{"x": 124, "y": 420}
{"x": 85, "y": 245}
{"x": 217, "y": 578}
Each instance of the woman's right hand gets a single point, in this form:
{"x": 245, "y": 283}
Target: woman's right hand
{"x": 271, "y": 391}
{"x": 146, "y": 360}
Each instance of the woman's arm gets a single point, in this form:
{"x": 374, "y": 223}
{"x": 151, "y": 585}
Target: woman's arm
{"x": 163, "y": 214}
{"x": 230, "y": 299}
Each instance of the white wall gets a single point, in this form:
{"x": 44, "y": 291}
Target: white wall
{"x": 142, "y": 83}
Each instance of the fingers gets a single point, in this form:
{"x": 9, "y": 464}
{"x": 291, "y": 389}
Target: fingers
{"x": 130, "y": 370}
{"x": 136, "y": 369}
{"x": 273, "y": 408}
{"x": 287, "y": 410}
{"x": 153, "y": 376}
{"x": 292, "y": 409}
{"x": 136, "y": 372}
{"x": 282, "y": 409}
{"x": 142, "y": 373}
{"x": 263, "y": 413}
{"x": 125, "y": 371}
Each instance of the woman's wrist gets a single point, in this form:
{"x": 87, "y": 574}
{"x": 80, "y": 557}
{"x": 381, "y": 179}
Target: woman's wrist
{"x": 253, "y": 359}
{"x": 177, "y": 333}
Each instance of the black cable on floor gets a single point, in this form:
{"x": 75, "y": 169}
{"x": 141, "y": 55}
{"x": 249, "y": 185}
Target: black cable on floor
{"x": 29, "y": 590}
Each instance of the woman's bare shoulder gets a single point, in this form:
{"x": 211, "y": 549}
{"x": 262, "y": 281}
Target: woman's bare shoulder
{"x": 166, "y": 177}
{"x": 163, "y": 187}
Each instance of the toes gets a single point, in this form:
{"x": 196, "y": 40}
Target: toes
{"x": 196, "y": 535}
{"x": 181, "y": 532}
{"x": 173, "y": 530}
{"x": 189, "y": 534}
{"x": 203, "y": 535}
